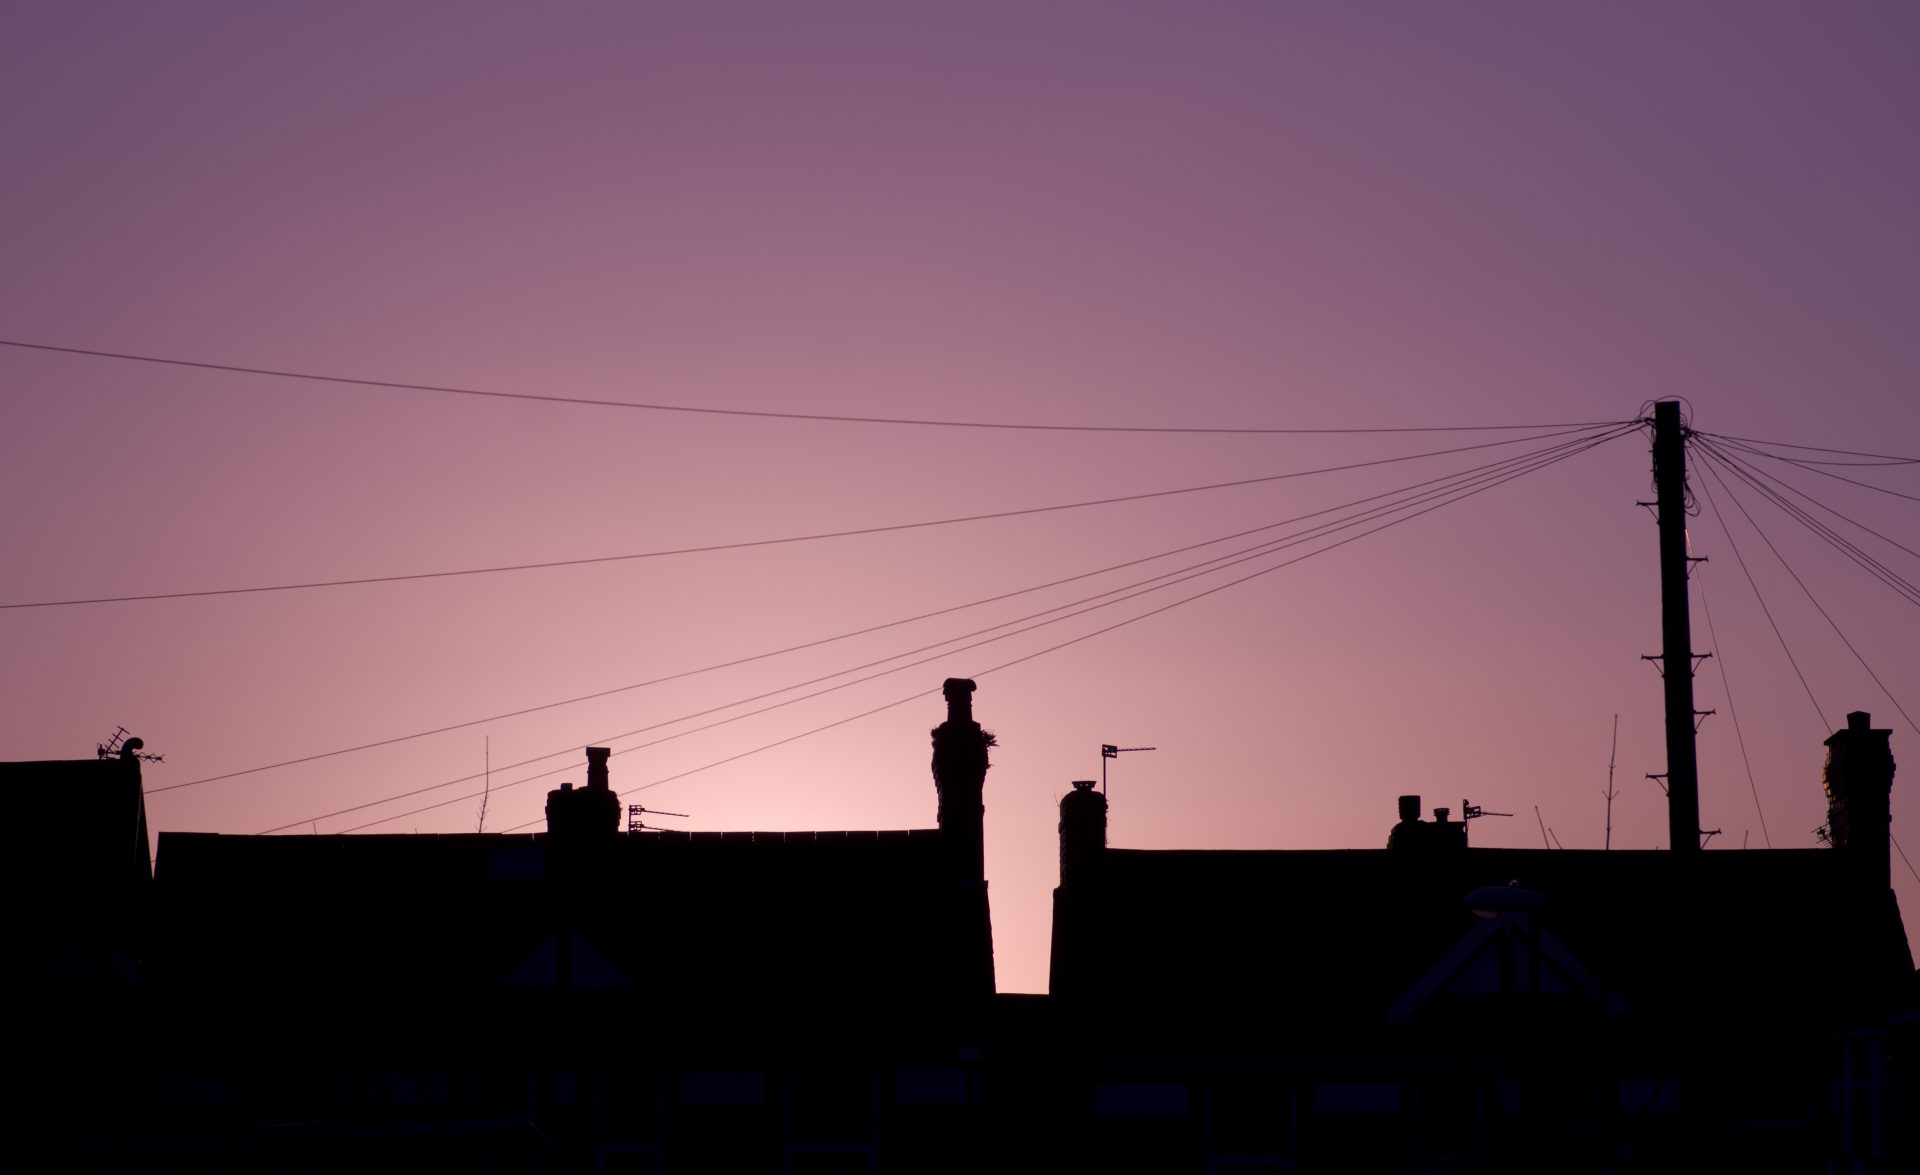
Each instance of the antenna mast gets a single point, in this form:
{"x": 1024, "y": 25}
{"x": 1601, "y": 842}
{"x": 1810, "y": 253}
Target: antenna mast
{"x": 636, "y": 811}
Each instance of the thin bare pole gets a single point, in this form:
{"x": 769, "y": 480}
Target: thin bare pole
{"x": 488, "y": 787}
{"x": 1612, "y": 755}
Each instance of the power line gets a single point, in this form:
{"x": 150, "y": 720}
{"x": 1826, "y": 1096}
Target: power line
{"x": 1896, "y": 845}
{"x": 1756, "y": 471}
{"x": 1853, "y": 552}
{"x": 1813, "y": 467}
{"x": 1726, "y": 683}
{"x": 1887, "y": 457}
{"x": 1193, "y": 571}
{"x": 1004, "y": 665}
{"x": 1184, "y": 574}
{"x": 1135, "y": 619}
{"x": 443, "y": 389}
{"x": 804, "y": 538}
{"x": 1818, "y": 713}
{"x": 1446, "y": 478}
{"x": 1824, "y": 614}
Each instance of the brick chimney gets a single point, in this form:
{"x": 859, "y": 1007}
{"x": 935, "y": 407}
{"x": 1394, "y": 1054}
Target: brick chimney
{"x": 1859, "y": 785}
{"x": 591, "y": 811}
{"x": 960, "y": 777}
{"x": 1413, "y": 835}
{"x": 1083, "y": 834}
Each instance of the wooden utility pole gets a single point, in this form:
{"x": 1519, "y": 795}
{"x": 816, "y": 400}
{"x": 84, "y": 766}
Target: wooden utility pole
{"x": 1676, "y": 630}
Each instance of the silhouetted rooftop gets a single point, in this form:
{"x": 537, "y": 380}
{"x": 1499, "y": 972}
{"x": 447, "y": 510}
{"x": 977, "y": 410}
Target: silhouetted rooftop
{"x": 1299, "y": 943}
{"x": 722, "y": 923}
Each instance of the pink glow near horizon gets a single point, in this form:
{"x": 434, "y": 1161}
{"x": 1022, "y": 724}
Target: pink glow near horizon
{"x": 1302, "y": 215}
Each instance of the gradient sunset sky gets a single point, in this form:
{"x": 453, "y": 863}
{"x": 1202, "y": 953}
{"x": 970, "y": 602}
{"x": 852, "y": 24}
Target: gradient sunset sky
{"x": 1221, "y": 215}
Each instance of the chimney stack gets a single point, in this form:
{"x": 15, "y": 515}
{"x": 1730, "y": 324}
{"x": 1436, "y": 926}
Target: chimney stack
{"x": 1414, "y": 835}
{"x": 591, "y": 811}
{"x": 1083, "y": 834}
{"x": 1859, "y": 785}
{"x": 960, "y": 776}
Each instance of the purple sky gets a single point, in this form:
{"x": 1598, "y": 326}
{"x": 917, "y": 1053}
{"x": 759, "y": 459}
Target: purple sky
{"x": 1299, "y": 215}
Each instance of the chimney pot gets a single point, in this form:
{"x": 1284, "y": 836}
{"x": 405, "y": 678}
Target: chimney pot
{"x": 1083, "y": 833}
{"x": 1409, "y": 808}
{"x": 1859, "y": 720}
{"x": 1440, "y": 815}
{"x": 959, "y": 692}
{"x": 959, "y": 778}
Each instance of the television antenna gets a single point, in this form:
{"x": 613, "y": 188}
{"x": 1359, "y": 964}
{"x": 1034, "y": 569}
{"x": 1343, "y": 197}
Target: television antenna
{"x": 122, "y": 747}
{"x": 636, "y": 811}
{"x": 1475, "y": 811}
{"x": 1109, "y": 751}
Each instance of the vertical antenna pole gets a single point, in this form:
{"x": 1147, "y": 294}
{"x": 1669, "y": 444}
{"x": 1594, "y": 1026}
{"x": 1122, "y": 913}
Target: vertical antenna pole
{"x": 1676, "y": 630}
{"x": 487, "y": 789}
{"x": 1612, "y": 756}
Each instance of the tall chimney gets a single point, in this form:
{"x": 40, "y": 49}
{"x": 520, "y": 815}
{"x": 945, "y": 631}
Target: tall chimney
{"x": 1859, "y": 786}
{"x": 960, "y": 776}
{"x": 597, "y": 767}
{"x": 1083, "y": 834}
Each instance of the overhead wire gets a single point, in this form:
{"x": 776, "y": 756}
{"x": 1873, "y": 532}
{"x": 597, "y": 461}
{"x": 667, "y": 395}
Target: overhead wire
{"x": 1783, "y": 483}
{"x": 1184, "y": 574}
{"x": 1734, "y": 546}
{"x": 1812, "y": 599}
{"x": 598, "y": 694}
{"x": 1033, "y": 655}
{"x": 1753, "y": 476}
{"x": 1812, "y": 467}
{"x": 361, "y": 581}
{"x": 1887, "y": 457}
{"x": 1896, "y": 844}
{"x": 837, "y": 418}
{"x": 1726, "y": 684}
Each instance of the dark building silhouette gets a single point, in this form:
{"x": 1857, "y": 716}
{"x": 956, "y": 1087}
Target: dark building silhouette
{"x": 1436, "y": 1007}
{"x": 591, "y": 999}
{"x": 587, "y": 999}
{"x": 79, "y": 891}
